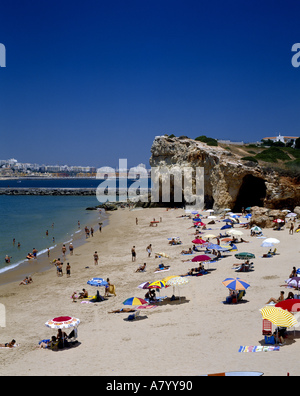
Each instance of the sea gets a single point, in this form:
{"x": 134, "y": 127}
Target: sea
{"x": 27, "y": 219}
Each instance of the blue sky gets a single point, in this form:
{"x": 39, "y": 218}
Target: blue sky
{"x": 87, "y": 83}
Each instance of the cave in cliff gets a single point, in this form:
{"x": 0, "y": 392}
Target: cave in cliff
{"x": 252, "y": 193}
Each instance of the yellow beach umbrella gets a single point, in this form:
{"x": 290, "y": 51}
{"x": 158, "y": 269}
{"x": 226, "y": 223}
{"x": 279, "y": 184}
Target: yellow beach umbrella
{"x": 169, "y": 277}
{"x": 209, "y": 236}
{"x": 157, "y": 284}
{"x": 278, "y": 316}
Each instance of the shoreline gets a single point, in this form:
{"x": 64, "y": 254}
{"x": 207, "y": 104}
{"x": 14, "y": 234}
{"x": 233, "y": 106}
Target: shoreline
{"x": 43, "y": 263}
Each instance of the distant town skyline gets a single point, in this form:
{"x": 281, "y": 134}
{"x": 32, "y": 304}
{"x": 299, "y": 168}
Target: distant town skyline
{"x": 92, "y": 82}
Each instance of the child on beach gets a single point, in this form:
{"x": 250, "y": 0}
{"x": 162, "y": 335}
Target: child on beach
{"x": 96, "y": 258}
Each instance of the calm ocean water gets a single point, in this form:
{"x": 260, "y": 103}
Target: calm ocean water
{"x": 27, "y": 218}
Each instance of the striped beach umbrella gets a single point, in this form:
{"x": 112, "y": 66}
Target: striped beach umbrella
{"x": 134, "y": 301}
{"x": 156, "y": 285}
{"x": 278, "y": 316}
{"x": 235, "y": 284}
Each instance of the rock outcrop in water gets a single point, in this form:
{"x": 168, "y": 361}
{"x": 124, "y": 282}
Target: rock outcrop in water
{"x": 229, "y": 182}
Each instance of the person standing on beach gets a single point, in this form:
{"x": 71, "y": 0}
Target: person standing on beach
{"x": 149, "y": 250}
{"x": 133, "y": 253}
{"x": 291, "y": 229}
{"x": 71, "y": 249}
{"x": 64, "y": 249}
{"x": 96, "y": 258}
{"x": 68, "y": 269}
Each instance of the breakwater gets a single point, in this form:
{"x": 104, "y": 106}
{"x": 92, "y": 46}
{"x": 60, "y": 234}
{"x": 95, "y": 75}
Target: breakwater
{"x": 47, "y": 191}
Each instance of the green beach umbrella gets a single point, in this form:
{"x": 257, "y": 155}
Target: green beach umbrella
{"x": 244, "y": 256}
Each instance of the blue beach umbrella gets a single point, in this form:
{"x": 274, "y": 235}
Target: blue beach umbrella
{"x": 225, "y": 227}
{"x": 97, "y": 282}
{"x": 217, "y": 247}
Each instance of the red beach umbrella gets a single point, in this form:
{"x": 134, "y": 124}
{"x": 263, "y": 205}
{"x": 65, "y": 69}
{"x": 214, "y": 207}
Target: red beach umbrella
{"x": 199, "y": 241}
{"x": 204, "y": 257}
{"x": 291, "y": 305}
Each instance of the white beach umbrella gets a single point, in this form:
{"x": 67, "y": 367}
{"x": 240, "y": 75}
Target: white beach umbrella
{"x": 209, "y": 210}
{"x": 291, "y": 215}
{"x": 271, "y": 240}
{"x": 235, "y": 232}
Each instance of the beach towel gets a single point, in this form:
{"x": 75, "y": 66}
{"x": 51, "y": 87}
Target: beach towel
{"x": 164, "y": 270}
{"x": 259, "y": 348}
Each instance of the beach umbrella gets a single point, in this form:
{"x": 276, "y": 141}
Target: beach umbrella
{"x": 278, "y": 221}
{"x": 256, "y": 229}
{"x": 209, "y": 210}
{"x": 169, "y": 277}
{"x": 291, "y": 214}
{"x": 272, "y": 240}
{"x": 144, "y": 285}
{"x": 177, "y": 281}
{"x": 226, "y": 210}
{"x": 291, "y": 305}
{"x": 227, "y": 221}
{"x": 244, "y": 256}
{"x": 213, "y": 246}
{"x": 156, "y": 284}
{"x": 195, "y": 212}
{"x": 235, "y": 284}
{"x": 225, "y": 227}
{"x": 249, "y": 208}
{"x": 134, "y": 301}
{"x": 266, "y": 244}
{"x": 204, "y": 257}
{"x": 278, "y": 316}
{"x": 62, "y": 322}
{"x": 209, "y": 236}
{"x": 97, "y": 282}
{"x": 235, "y": 232}
{"x": 199, "y": 241}
{"x": 199, "y": 223}
{"x": 211, "y": 217}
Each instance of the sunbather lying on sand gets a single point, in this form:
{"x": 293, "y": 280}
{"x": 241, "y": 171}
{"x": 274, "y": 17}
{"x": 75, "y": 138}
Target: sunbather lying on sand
{"x": 187, "y": 251}
{"x": 8, "y": 344}
{"x": 123, "y": 310}
{"x": 162, "y": 267}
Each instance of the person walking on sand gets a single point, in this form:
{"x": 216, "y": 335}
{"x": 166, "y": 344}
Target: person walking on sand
{"x": 133, "y": 254}
{"x": 64, "y": 249}
{"x": 96, "y": 258}
{"x": 291, "y": 229}
{"x": 149, "y": 250}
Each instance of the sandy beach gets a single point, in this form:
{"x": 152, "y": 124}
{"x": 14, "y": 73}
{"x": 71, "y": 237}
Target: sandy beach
{"x": 194, "y": 336}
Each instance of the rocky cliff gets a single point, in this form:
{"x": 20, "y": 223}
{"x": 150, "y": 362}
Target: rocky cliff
{"x": 229, "y": 182}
